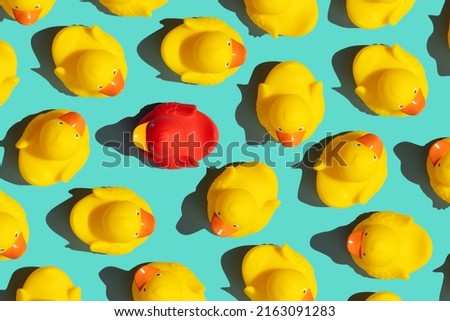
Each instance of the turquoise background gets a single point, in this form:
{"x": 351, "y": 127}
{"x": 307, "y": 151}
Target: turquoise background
{"x": 316, "y": 232}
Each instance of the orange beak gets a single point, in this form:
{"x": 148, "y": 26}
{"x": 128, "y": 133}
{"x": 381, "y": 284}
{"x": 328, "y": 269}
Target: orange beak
{"x": 416, "y": 105}
{"x": 115, "y": 87}
{"x": 238, "y": 54}
{"x": 17, "y": 249}
{"x": 220, "y": 228}
{"x": 308, "y": 296}
{"x": 147, "y": 224}
{"x": 144, "y": 274}
{"x": 373, "y": 142}
{"x": 438, "y": 150}
{"x": 354, "y": 243}
{"x": 74, "y": 120}
{"x": 290, "y": 139}
{"x": 27, "y": 17}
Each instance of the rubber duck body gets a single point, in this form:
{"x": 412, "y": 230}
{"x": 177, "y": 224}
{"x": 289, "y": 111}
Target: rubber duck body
{"x": 274, "y": 273}
{"x": 283, "y": 17}
{"x": 112, "y": 220}
{"x": 175, "y": 135}
{"x": 384, "y": 296}
{"x": 390, "y": 81}
{"x": 389, "y": 245}
{"x": 89, "y": 62}
{"x": 14, "y": 232}
{"x": 8, "y": 69}
{"x": 290, "y": 103}
{"x": 203, "y": 51}
{"x": 48, "y": 284}
{"x": 438, "y": 168}
{"x": 242, "y": 200}
{"x": 27, "y": 12}
{"x": 131, "y": 8}
{"x": 351, "y": 169}
{"x": 372, "y": 14}
{"x": 161, "y": 281}
{"x": 53, "y": 147}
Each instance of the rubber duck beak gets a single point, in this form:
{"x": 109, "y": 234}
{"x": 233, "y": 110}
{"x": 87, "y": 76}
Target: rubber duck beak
{"x": 308, "y": 296}
{"x": 74, "y": 120}
{"x": 144, "y": 274}
{"x": 220, "y": 228}
{"x": 26, "y": 17}
{"x": 290, "y": 139}
{"x": 438, "y": 150}
{"x": 115, "y": 87}
{"x": 140, "y": 137}
{"x": 373, "y": 142}
{"x": 416, "y": 105}
{"x": 238, "y": 54}
{"x": 354, "y": 243}
{"x": 147, "y": 224}
{"x": 17, "y": 249}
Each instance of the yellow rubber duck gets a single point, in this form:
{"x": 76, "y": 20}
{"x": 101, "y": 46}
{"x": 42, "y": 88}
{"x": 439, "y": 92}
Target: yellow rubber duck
{"x": 278, "y": 273}
{"x": 242, "y": 200}
{"x": 290, "y": 103}
{"x": 27, "y": 12}
{"x": 389, "y": 245}
{"x": 14, "y": 231}
{"x": 53, "y": 147}
{"x": 283, "y": 17}
{"x": 90, "y": 62}
{"x": 384, "y": 296}
{"x": 162, "y": 281}
{"x": 203, "y": 51}
{"x": 132, "y": 8}
{"x": 48, "y": 283}
{"x": 372, "y": 14}
{"x": 390, "y": 81}
{"x": 438, "y": 168}
{"x": 8, "y": 69}
{"x": 112, "y": 220}
{"x": 351, "y": 169}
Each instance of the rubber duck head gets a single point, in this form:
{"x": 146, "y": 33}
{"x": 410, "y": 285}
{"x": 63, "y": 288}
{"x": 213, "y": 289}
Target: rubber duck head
{"x": 60, "y": 138}
{"x": 400, "y": 90}
{"x": 288, "y": 285}
{"x": 360, "y": 158}
{"x": 124, "y": 221}
{"x": 439, "y": 155}
{"x": 235, "y": 209}
{"x": 98, "y": 70}
{"x": 12, "y": 242}
{"x": 270, "y": 6}
{"x": 290, "y": 116}
{"x": 156, "y": 285}
{"x": 27, "y": 12}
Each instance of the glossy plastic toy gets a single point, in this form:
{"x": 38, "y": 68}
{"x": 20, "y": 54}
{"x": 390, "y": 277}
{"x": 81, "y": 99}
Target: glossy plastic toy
{"x": 351, "y": 169}
{"x": 131, "y": 8}
{"x": 14, "y": 231}
{"x": 53, "y": 147}
{"x": 161, "y": 281}
{"x": 390, "y": 81}
{"x": 372, "y": 14}
{"x": 274, "y": 273}
{"x": 89, "y": 62}
{"x": 242, "y": 200}
{"x": 389, "y": 245}
{"x": 112, "y": 220}
{"x": 290, "y": 103}
{"x": 175, "y": 135}
{"x": 203, "y": 51}
{"x": 283, "y": 17}
{"x": 438, "y": 168}
{"x": 48, "y": 283}
{"x": 384, "y": 296}
{"x": 8, "y": 69}
{"x": 27, "y": 12}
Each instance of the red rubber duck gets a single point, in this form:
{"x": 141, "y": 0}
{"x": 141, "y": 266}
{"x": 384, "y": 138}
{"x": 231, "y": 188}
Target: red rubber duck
{"x": 175, "y": 135}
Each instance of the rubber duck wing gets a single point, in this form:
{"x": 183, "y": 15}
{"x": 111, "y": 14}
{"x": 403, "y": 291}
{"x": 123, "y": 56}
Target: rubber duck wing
{"x": 371, "y": 188}
{"x": 267, "y": 212}
{"x": 22, "y": 295}
{"x": 8, "y": 205}
{"x": 399, "y": 12}
{"x": 317, "y": 100}
{"x": 30, "y": 132}
{"x": 185, "y": 110}
{"x": 113, "y": 193}
{"x": 74, "y": 294}
{"x": 7, "y": 86}
{"x": 188, "y": 277}
{"x": 205, "y": 23}
{"x": 202, "y": 78}
{"x": 225, "y": 180}
{"x": 250, "y": 291}
{"x": 389, "y": 272}
{"x": 296, "y": 259}
{"x": 111, "y": 248}
{"x": 72, "y": 167}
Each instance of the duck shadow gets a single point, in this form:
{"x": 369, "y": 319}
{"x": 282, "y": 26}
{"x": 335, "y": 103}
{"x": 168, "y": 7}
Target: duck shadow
{"x": 231, "y": 264}
{"x": 149, "y": 50}
{"x": 238, "y": 7}
{"x": 343, "y": 64}
{"x": 99, "y": 6}
{"x": 445, "y": 290}
{"x": 334, "y": 244}
{"x": 4, "y": 16}
{"x": 360, "y": 296}
{"x": 41, "y": 42}
{"x": 58, "y": 219}
{"x": 437, "y": 45}
{"x": 337, "y": 14}
{"x": 246, "y": 117}
{"x": 17, "y": 280}
{"x": 118, "y": 283}
{"x": 413, "y": 160}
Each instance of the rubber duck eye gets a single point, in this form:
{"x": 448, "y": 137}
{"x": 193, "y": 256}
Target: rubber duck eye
{"x": 364, "y": 254}
{"x": 400, "y": 106}
{"x": 158, "y": 274}
{"x": 235, "y": 225}
{"x": 2, "y": 250}
{"x": 218, "y": 213}
{"x": 365, "y": 234}
{"x": 415, "y": 90}
{"x": 114, "y": 71}
{"x": 229, "y": 43}
{"x": 60, "y": 123}
{"x": 16, "y": 6}
{"x": 304, "y": 291}
{"x": 358, "y": 144}
{"x": 100, "y": 87}
{"x": 77, "y": 136}
{"x": 279, "y": 128}
{"x": 151, "y": 125}
{"x": 138, "y": 213}
{"x": 227, "y": 64}
{"x": 145, "y": 290}
{"x": 37, "y": 6}
{"x": 439, "y": 164}
{"x": 374, "y": 157}
{"x": 136, "y": 234}
{"x": 16, "y": 234}
{"x": 301, "y": 128}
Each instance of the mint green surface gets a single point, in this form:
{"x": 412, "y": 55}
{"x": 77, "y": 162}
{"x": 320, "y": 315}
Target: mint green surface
{"x": 216, "y": 260}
